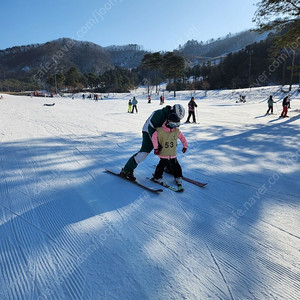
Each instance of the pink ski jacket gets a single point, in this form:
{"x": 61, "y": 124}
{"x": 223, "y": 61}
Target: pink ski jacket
{"x": 159, "y": 138}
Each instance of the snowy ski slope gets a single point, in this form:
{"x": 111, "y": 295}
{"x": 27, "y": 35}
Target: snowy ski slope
{"x": 69, "y": 230}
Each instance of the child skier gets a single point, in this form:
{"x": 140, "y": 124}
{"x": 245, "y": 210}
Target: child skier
{"x": 270, "y": 105}
{"x": 164, "y": 141}
{"x": 129, "y": 106}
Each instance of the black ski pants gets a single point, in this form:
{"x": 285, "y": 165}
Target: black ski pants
{"x": 191, "y": 114}
{"x": 172, "y": 163}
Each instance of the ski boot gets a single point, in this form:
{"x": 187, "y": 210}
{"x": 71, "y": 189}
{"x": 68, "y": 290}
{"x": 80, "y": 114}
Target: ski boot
{"x": 128, "y": 175}
{"x": 157, "y": 180}
{"x": 178, "y": 181}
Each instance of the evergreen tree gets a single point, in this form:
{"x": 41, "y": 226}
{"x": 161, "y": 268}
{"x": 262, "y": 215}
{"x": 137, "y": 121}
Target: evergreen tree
{"x": 118, "y": 80}
{"x": 173, "y": 67}
{"x": 92, "y": 80}
{"x": 56, "y": 81}
{"x": 153, "y": 61}
{"x": 72, "y": 78}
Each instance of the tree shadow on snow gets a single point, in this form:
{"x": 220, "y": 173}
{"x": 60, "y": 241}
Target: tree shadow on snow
{"x": 57, "y": 205}
{"x": 76, "y": 230}
{"x": 251, "y": 198}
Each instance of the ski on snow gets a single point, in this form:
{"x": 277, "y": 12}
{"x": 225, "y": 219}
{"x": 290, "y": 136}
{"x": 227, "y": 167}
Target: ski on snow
{"x": 198, "y": 183}
{"x": 170, "y": 187}
{"x": 135, "y": 182}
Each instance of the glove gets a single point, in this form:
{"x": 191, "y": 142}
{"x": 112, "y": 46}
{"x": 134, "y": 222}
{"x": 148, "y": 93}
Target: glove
{"x": 156, "y": 151}
{"x": 184, "y": 150}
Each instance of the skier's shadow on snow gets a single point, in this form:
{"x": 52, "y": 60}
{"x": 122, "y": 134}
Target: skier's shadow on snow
{"x": 286, "y": 120}
{"x": 259, "y": 117}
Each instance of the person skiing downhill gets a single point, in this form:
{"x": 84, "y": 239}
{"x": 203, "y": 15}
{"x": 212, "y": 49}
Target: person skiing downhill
{"x": 285, "y": 105}
{"x": 270, "y": 105}
{"x": 164, "y": 141}
{"x": 155, "y": 120}
{"x": 191, "y": 105}
{"x": 162, "y": 100}
{"x": 134, "y": 105}
{"x": 129, "y": 106}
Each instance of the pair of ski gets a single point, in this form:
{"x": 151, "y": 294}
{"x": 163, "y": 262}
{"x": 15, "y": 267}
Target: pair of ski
{"x": 179, "y": 188}
{"x": 153, "y": 190}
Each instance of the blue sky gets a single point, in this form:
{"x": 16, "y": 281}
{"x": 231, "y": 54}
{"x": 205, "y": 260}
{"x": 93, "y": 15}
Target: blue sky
{"x": 154, "y": 24}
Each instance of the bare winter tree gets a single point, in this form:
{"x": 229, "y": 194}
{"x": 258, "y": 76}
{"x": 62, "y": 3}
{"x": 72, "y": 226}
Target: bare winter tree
{"x": 284, "y": 17}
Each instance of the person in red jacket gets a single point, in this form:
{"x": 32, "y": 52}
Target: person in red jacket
{"x": 285, "y": 105}
{"x": 191, "y": 105}
{"x": 164, "y": 141}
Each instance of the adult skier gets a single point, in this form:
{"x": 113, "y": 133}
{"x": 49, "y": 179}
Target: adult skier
{"x": 285, "y": 105}
{"x": 191, "y": 105}
{"x": 155, "y": 120}
{"x": 134, "y": 105}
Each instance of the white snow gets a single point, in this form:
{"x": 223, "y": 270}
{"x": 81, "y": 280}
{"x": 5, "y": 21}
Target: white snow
{"x": 69, "y": 230}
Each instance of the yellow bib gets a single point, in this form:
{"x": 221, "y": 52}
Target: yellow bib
{"x": 168, "y": 141}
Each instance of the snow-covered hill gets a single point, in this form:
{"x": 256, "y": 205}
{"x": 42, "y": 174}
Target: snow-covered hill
{"x": 71, "y": 231}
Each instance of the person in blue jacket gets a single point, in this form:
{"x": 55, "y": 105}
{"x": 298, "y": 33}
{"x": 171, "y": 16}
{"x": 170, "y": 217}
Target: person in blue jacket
{"x": 134, "y": 105}
{"x": 270, "y": 105}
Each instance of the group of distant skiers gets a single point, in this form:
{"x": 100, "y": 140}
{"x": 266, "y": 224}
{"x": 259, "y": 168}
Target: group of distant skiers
{"x": 286, "y": 104}
{"x": 95, "y": 96}
{"x": 132, "y": 105}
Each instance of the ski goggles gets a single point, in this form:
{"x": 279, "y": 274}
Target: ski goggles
{"x": 173, "y": 124}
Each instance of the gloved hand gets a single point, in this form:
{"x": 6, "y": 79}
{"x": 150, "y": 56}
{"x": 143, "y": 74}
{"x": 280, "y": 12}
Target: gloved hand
{"x": 184, "y": 150}
{"x": 156, "y": 151}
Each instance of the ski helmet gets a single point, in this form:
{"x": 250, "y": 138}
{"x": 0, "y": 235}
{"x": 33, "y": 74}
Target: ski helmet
{"x": 179, "y": 110}
{"x": 173, "y": 120}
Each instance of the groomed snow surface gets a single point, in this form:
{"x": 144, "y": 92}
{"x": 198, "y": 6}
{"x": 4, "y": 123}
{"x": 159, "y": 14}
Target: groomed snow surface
{"x": 70, "y": 230}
